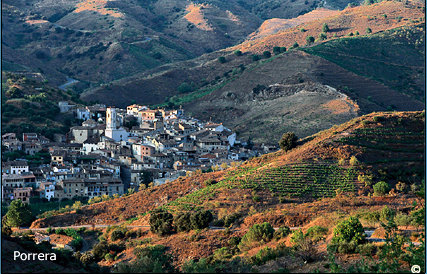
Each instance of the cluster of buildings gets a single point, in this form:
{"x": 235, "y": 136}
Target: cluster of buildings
{"x": 116, "y": 149}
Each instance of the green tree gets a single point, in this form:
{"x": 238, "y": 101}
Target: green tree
{"x": 380, "y": 188}
{"x": 100, "y": 250}
{"x": 387, "y": 214}
{"x": 222, "y": 59}
{"x": 117, "y": 234}
{"x": 19, "y": 214}
{"x": 323, "y": 36}
{"x": 186, "y": 87}
{"x": 255, "y": 57}
{"x": 295, "y": 45}
{"x": 238, "y": 53}
{"x": 276, "y": 50}
{"x": 309, "y": 40}
{"x": 288, "y": 141}
{"x": 350, "y": 230}
{"x": 161, "y": 222}
{"x": 182, "y": 222}
{"x": 266, "y": 54}
{"x": 201, "y": 219}
{"x": 281, "y": 233}
{"x": 325, "y": 27}
{"x": 257, "y": 234}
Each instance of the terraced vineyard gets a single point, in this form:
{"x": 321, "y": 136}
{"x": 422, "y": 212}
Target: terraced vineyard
{"x": 304, "y": 180}
{"x": 389, "y": 140}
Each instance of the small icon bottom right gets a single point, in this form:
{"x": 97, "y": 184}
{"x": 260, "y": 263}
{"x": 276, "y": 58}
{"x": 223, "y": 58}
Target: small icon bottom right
{"x": 415, "y": 269}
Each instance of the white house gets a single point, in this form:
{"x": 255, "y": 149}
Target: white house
{"x": 89, "y": 147}
{"x": 83, "y": 114}
{"x": 47, "y": 190}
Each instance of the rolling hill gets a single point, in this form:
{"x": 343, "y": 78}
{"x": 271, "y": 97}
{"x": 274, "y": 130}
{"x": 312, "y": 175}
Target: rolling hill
{"x": 327, "y": 178}
{"x": 386, "y": 145}
{"x": 270, "y": 94}
{"x": 30, "y": 104}
{"x": 99, "y": 41}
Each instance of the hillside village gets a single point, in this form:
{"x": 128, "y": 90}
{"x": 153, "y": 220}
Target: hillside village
{"x": 115, "y": 151}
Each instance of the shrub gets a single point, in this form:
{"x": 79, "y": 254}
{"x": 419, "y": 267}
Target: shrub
{"x": 100, "y": 250}
{"x": 350, "y": 230}
{"x": 77, "y": 205}
{"x": 386, "y": 214}
{"x": 368, "y": 30}
{"x": 309, "y": 40}
{"x": 183, "y": 222}
{"x": 325, "y": 27}
{"x": 256, "y": 198}
{"x": 77, "y": 243}
{"x": 151, "y": 259}
{"x": 266, "y": 54}
{"x": 380, "y": 188}
{"x": 161, "y": 222}
{"x": 222, "y": 59}
{"x": 233, "y": 242}
{"x": 201, "y": 266}
{"x": 316, "y": 233}
{"x": 201, "y": 219}
{"x": 282, "y": 49}
{"x": 109, "y": 257}
{"x": 231, "y": 219}
{"x": 419, "y": 216}
{"x": 87, "y": 258}
{"x": 323, "y": 36}
{"x": 366, "y": 249}
{"x": 295, "y": 45}
{"x": 210, "y": 182}
{"x": 255, "y": 57}
{"x": 281, "y": 233}
{"x": 401, "y": 187}
{"x": 288, "y": 141}
{"x": 346, "y": 248}
{"x": 257, "y": 234}
{"x": 186, "y": 87}
{"x": 264, "y": 255}
{"x": 371, "y": 217}
{"x": 297, "y": 237}
{"x": 222, "y": 254}
{"x": 276, "y": 50}
{"x": 353, "y": 161}
{"x": 117, "y": 234}
{"x": 59, "y": 231}
{"x": 238, "y": 53}
{"x": 367, "y": 179}
{"x": 402, "y": 219}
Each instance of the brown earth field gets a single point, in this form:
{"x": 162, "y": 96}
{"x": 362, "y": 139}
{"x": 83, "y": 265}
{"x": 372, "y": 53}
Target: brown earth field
{"x": 350, "y": 20}
{"x": 285, "y": 104}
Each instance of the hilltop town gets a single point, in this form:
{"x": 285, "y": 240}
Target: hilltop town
{"x": 115, "y": 151}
